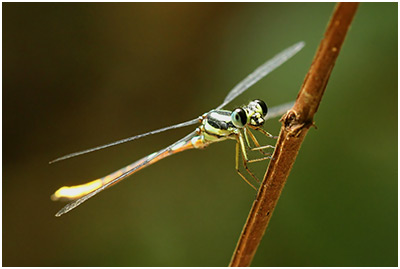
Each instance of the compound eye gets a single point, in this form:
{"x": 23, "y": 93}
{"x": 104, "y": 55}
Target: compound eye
{"x": 239, "y": 117}
{"x": 263, "y": 106}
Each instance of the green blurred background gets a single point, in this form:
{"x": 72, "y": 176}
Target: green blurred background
{"x": 77, "y": 75}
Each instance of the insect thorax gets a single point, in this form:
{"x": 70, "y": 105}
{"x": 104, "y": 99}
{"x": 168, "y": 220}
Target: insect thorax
{"x": 217, "y": 125}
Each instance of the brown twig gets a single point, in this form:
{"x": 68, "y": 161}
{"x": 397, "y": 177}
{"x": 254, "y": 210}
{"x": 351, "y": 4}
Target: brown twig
{"x": 295, "y": 125}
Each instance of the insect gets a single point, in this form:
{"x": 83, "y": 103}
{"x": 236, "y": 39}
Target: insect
{"x": 215, "y": 126}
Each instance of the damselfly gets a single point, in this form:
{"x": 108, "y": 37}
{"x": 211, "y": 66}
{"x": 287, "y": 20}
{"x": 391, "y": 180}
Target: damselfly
{"x": 215, "y": 126}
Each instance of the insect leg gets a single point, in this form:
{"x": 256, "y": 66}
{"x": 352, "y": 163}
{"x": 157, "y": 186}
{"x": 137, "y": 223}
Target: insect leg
{"x": 245, "y": 158}
{"x": 237, "y": 167}
{"x": 247, "y": 132}
{"x": 266, "y": 133}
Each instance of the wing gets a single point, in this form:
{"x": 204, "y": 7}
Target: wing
{"x": 277, "y": 111}
{"x": 261, "y": 72}
{"x": 183, "y": 124}
{"x": 251, "y": 79}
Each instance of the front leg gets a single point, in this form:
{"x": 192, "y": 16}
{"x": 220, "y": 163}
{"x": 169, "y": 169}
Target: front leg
{"x": 247, "y": 134}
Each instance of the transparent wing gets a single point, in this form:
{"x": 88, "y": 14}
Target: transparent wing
{"x": 183, "y": 124}
{"x": 278, "y": 111}
{"x": 250, "y": 80}
{"x": 261, "y": 72}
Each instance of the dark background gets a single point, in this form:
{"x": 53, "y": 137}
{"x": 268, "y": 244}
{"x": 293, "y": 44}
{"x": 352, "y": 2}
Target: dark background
{"x": 77, "y": 75}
